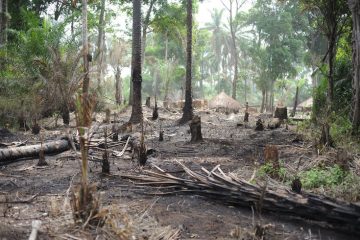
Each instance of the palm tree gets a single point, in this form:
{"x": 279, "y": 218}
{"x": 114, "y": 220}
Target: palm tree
{"x": 136, "y": 77}
{"x": 217, "y": 35}
{"x": 188, "y": 109}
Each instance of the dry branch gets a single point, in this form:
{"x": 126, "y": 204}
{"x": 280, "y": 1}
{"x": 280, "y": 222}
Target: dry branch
{"x": 231, "y": 190}
{"x": 14, "y": 153}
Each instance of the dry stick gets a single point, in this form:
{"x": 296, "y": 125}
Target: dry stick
{"x": 124, "y": 149}
{"x": 35, "y": 228}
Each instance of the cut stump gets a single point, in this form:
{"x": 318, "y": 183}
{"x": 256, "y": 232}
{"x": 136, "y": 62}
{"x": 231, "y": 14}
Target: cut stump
{"x": 281, "y": 113}
{"x": 195, "y": 129}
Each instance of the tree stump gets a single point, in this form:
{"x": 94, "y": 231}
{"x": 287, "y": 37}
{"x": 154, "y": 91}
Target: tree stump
{"x": 274, "y": 123}
{"x": 326, "y": 139}
{"x": 105, "y": 168}
{"x": 281, "y": 113}
{"x": 161, "y": 136}
{"x": 42, "y": 161}
{"x": 155, "y": 113}
{"x": 107, "y": 116}
{"x": 65, "y": 114}
{"x": 147, "y": 103}
{"x": 35, "y": 128}
{"x": 246, "y": 117}
{"x": 195, "y": 129}
{"x": 271, "y": 155}
{"x": 259, "y": 125}
{"x": 296, "y": 185}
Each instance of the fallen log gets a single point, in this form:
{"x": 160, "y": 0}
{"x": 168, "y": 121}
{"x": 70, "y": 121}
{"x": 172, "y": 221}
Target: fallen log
{"x": 229, "y": 189}
{"x": 13, "y": 153}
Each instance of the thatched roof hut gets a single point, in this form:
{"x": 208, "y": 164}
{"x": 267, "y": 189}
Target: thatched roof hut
{"x": 223, "y": 101}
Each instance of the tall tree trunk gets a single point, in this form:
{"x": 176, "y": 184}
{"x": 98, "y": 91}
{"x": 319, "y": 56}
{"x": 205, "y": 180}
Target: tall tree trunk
{"x": 355, "y": 10}
{"x": 167, "y": 80}
{"x": 235, "y": 54}
{"x": 3, "y": 26}
{"x": 118, "y": 86}
{"x": 144, "y": 30}
{"x": 295, "y": 101}
{"x": 86, "y": 81}
{"x": 263, "y": 93}
{"x": 100, "y": 44}
{"x": 332, "y": 54}
{"x": 188, "y": 109}
{"x": 85, "y": 99}
{"x": 136, "y": 77}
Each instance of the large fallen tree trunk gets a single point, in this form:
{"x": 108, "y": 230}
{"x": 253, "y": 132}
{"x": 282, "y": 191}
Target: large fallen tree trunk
{"x": 231, "y": 190}
{"x": 13, "y": 153}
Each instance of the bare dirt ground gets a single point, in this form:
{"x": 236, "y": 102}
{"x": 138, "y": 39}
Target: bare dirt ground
{"x": 28, "y": 192}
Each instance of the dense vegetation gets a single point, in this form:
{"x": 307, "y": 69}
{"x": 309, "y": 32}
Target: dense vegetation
{"x": 269, "y": 54}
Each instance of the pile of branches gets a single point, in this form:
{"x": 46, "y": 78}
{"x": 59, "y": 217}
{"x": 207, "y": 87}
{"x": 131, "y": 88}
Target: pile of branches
{"x": 229, "y": 189}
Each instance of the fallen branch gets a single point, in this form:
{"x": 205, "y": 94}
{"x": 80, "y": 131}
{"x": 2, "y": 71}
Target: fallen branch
{"x": 13, "y": 153}
{"x": 231, "y": 190}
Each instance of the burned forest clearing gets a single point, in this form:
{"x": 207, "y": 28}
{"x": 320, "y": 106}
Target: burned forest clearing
{"x": 179, "y": 119}
{"x": 140, "y": 202}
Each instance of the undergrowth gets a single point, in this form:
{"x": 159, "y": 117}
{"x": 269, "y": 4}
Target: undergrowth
{"x": 322, "y": 177}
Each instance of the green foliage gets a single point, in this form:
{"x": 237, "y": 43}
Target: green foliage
{"x": 340, "y": 127}
{"x": 267, "y": 169}
{"x": 348, "y": 189}
{"x": 319, "y": 96}
{"x": 322, "y": 177}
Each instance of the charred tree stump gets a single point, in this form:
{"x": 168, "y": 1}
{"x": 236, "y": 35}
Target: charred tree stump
{"x": 326, "y": 139}
{"x": 259, "y": 125}
{"x": 147, "y": 102}
{"x": 8, "y": 154}
{"x": 161, "y": 136}
{"x": 271, "y": 155}
{"x": 246, "y": 117}
{"x": 155, "y": 114}
{"x": 35, "y": 128}
{"x": 281, "y": 113}
{"x": 195, "y": 129}
{"x": 105, "y": 163}
{"x": 65, "y": 114}
{"x": 296, "y": 185}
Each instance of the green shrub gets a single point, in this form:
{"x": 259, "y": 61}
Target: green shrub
{"x": 322, "y": 177}
{"x": 267, "y": 169}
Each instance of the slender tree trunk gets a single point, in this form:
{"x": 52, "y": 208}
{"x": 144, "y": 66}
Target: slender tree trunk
{"x": 144, "y": 30}
{"x": 85, "y": 98}
{"x": 86, "y": 81}
{"x": 188, "y": 109}
{"x": 3, "y": 27}
{"x": 245, "y": 89}
{"x": 332, "y": 54}
{"x": 295, "y": 101}
{"x": 100, "y": 44}
{"x": 2, "y": 22}
{"x": 118, "y": 86}
{"x": 263, "y": 93}
{"x": 167, "y": 80}
{"x": 355, "y": 10}
{"x": 235, "y": 54}
{"x": 136, "y": 77}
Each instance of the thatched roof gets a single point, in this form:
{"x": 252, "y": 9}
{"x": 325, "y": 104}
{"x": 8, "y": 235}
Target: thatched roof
{"x": 307, "y": 103}
{"x": 224, "y": 101}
